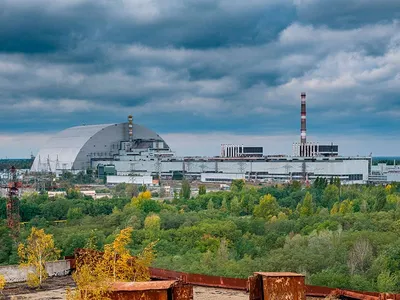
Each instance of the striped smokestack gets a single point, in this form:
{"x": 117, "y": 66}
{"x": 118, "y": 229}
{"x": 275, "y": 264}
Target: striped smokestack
{"x": 303, "y": 137}
{"x": 130, "y": 126}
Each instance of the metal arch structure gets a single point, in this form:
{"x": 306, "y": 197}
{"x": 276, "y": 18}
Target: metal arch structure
{"x": 74, "y": 147}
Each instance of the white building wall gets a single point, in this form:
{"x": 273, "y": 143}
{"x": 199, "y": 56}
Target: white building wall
{"x": 220, "y": 177}
{"x": 330, "y": 167}
{"x": 393, "y": 177}
{"x": 144, "y": 180}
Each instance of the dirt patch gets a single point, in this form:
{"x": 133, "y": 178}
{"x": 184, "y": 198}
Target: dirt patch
{"x": 53, "y": 288}
{"x": 204, "y": 293}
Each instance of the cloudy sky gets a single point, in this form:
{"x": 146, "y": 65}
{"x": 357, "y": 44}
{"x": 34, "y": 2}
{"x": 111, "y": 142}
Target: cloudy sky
{"x": 203, "y": 72}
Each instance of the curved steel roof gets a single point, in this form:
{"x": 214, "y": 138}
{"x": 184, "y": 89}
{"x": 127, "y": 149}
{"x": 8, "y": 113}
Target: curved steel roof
{"x": 73, "y": 147}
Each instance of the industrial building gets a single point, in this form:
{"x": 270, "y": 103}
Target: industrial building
{"x": 129, "y": 149}
{"x": 382, "y": 173}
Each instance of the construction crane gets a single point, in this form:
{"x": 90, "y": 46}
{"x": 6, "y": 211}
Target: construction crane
{"x": 12, "y": 206}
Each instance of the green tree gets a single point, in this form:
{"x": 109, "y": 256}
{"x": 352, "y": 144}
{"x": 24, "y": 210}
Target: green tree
{"x": 238, "y": 184}
{"x": 307, "y": 207}
{"x": 320, "y": 183}
{"x": 282, "y": 216}
{"x": 235, "y": 206}
{"x": 152, "y": 222}
{"x": 185, "y": 191}
{"x": 5, "y": 245}
{"x": 210, "y": 205}
{"x": 132, "y": 190}
{"x": 73, "y": 194}
{"x": 387, "y": 282}
{"x": 295, "y": 185}
{"x": 92, "y": 241}
{"x": 247, "y": 203}
{"x": 380, "y": 200}
{"x": 202, "y": 189}
{"x": 29, "y": 210}
{"x": 330, "y": 196}
{"x": 224, "y": 205}
{"x": 57, "y": 209}
{"x": 267, "y": 208}
{"x": 74, "y": 213}
{"x": 336, "y": 181}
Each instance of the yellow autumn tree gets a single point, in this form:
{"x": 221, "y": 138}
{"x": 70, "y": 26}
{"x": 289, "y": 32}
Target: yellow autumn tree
{"x": 95, "y": 271}
{"x": 116, "y": 258}
{"x": 335, "y": 208}
{"x": 90, "y": 282}
{"x": 118, "y": 263}
{"x": 38, "y": 250}
{"x": 389, "y": 189}
{"x": 145, "y": 195}
{"x": 346, "y": 207}
{"x": 2, "y": 284}
{"x": 137, "y": 201}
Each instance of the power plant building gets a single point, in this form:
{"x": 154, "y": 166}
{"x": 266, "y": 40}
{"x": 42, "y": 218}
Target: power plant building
{"x": 134, "y": 150}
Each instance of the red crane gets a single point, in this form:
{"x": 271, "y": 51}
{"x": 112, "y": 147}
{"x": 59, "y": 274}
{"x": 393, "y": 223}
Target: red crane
{"x": 13, "y": 216}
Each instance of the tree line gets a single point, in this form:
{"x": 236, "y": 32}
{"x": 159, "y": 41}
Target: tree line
{"x": 337, "y": 235}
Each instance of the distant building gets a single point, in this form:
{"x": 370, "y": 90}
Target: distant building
{"x": 131, "y": 153}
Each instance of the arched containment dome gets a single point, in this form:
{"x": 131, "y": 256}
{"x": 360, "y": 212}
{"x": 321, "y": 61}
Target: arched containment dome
{"x": 75, "y": 147}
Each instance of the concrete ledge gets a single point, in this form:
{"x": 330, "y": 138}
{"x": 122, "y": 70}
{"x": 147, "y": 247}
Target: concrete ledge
{"x": 15, "y": 273}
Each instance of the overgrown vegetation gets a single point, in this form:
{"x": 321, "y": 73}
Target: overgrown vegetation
{"x": 38, "y": 250}
{"x": 96, "y": 271}
{"x": 338, "y": 236}
{"x": 2, "y": 285}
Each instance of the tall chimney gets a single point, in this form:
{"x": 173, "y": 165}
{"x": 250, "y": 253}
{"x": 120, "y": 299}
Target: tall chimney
{"x": 130, "y": 126}
{"x": 303, "y": 138}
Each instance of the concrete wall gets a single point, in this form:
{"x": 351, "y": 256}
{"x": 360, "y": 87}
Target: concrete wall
{"x": 329, "y": 167}
{"x": 220, "y": 177}
{"x": 146, "y": 180}
{"x": 14, "y": 273}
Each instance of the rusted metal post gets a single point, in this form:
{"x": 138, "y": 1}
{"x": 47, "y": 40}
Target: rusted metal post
{"x": 277, "y": 286}
{"x": 151, "y": 290}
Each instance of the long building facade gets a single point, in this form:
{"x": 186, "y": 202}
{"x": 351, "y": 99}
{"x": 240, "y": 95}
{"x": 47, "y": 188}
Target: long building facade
{"x": 349, "y": 169}
{"x": 137, "y": 151}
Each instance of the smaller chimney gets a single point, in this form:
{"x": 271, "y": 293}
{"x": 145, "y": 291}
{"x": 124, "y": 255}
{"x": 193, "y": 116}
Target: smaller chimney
{"x": 130, "y": 126}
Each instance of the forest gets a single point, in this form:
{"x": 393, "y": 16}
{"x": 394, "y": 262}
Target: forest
{"x": 342, "y": 236}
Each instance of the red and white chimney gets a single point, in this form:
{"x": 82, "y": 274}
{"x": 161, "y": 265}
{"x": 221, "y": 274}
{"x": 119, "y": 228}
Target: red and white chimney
{"x": 303, "y": 137}
{"x": 130, "y": 128}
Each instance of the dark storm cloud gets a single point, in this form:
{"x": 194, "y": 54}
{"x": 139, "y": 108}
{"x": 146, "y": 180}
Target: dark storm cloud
{"x": 47, "y": 27}
{"x": 196, "y": 66}
{"x": 34, "y": 28}
{"x": 347, "y": 14}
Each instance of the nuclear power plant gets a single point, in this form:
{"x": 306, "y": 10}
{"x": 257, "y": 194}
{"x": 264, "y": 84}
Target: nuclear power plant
{"x": 129, "y": 152}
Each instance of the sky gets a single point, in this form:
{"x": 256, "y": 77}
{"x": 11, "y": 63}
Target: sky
{"x": 203, "y": 72}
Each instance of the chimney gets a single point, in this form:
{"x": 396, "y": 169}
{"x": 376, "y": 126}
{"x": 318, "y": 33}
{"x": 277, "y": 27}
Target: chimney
{"x": 303, "y": 138}
{"x": 130, "y": 126}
